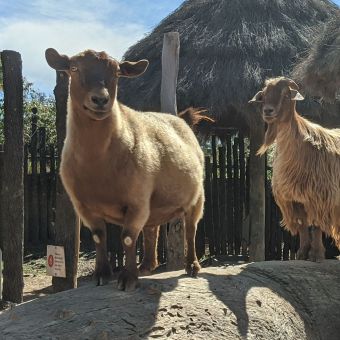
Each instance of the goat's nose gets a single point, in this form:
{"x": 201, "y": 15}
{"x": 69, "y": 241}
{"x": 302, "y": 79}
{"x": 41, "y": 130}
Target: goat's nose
{"x": 268, "y": 111}
{"x": 100, "y": 100}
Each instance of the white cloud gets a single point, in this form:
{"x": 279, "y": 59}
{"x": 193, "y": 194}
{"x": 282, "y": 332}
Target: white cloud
{"x": 71, "y": 26}
{"x": 31, "y": 37}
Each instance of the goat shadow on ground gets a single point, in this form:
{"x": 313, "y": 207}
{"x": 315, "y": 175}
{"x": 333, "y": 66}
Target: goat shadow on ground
{"x": 309, "y": 295}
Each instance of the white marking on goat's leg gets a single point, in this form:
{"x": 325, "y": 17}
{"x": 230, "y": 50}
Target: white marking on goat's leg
{"x": 299, "y": 221}
{"x": 96, "y": 238}
{"x": 128, "y": 241}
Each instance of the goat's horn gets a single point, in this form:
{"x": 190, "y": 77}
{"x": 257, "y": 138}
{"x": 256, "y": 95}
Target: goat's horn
{"x": 293, "y": 84}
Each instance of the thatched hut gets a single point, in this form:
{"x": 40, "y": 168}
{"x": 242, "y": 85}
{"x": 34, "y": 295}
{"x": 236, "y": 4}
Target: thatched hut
{"x": 319, "y": 69}
{"x": 227, "y": 50}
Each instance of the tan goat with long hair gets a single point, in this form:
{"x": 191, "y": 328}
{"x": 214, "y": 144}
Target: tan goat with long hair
{"x": 134, "y": 169}
{"x": 306, "y": 167}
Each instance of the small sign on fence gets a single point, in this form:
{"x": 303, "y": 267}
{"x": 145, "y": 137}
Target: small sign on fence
{"x": 55, "y": 265}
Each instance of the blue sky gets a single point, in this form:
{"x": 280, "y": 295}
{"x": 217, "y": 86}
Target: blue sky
{"x": 70, "y": 26}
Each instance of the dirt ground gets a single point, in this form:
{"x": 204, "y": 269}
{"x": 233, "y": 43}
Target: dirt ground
{"x": 37, "y": 283}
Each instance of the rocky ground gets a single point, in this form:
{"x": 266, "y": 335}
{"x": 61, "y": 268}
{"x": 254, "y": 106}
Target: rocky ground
{"x": 266, "y": 300}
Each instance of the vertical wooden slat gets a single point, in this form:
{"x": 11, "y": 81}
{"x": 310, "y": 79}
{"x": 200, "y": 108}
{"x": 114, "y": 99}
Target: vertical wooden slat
{"x": 237, "y": 221}
{"x": 215, "y": 199}
{"x": 230, "y": 190}
{"x": 243, "y": 221}
{"x": 26, "y": 196}
{"x": 52, "y": 195}
{"x": 222, "y": 234}
{"x": 34, "y": 204}
{"x": 208, "y": 215}
{"x": 268, "y": 234}
{"x": 272, "y": 228}
{"x": 286, "y": 245}
{"x": 12, "y": 193}
{"x": 162, "y": 242}
{"x": 113, "y": 242}
{"x": 278, "y": 237}
{"x": 42, "y": 187}
{"x": 293, "y": 242}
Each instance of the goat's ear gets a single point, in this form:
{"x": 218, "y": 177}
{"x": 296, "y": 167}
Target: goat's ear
{"x": 258, "y": 98}
{"x": 57, "y": 61}
{"x": 132, "y": 69}
{"x": 295, "y": 95}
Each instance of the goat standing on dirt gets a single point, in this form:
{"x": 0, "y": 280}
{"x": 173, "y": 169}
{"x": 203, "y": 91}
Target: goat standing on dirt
{"x": 306, "y": 167}
{"x": 137, "y": 170}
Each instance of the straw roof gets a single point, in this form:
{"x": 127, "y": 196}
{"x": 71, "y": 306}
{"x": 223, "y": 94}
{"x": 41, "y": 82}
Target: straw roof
{"x": 228, "y": 48}
{"x": 319, "y": 71}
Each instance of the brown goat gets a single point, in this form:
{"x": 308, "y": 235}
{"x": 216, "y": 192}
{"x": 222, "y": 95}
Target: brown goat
{"x": 134, "y": 169}
{"x": 306, "y": 168}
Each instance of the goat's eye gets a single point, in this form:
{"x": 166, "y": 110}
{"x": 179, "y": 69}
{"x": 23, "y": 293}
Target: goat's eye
{"x": 74, "y": 68}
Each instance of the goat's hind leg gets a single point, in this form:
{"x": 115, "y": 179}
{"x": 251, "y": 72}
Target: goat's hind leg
{"x": 317, "y": 250}
{"x": 149, "y": 262}
{"x": 192, "y": 218}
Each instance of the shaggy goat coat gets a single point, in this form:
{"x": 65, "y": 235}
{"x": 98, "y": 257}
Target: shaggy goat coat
{"x": 306, "y": 170}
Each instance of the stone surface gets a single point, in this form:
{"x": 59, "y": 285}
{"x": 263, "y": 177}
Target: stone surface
{"x": 266, "y": 300}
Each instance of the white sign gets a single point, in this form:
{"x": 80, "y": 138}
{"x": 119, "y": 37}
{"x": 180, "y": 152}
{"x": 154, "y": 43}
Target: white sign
{"x": 55, "y": 265}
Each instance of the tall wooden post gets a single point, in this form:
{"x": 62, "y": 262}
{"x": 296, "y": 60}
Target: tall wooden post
{"x": 67, "y": 229}
{"x": 12, "y": 193}
{"x": 257, "y": 193}
{"x": 170, "y": 65}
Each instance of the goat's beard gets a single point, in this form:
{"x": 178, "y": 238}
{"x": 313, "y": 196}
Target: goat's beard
{"x": 269, "y": 138}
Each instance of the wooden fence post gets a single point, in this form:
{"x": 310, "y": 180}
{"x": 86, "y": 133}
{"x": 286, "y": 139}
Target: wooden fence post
{"x": 257, "y": 193}
{"x": 12, "y": 193}
{"x": 170, "y": 64}
{"x": 67, "y": 230}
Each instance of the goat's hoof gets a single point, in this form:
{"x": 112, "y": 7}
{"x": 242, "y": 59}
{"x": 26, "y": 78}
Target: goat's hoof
{"x": 193, "y": 269}
{"x": 127, "y": 281}
{"x": 103, "y": 274}
{"x": 146, "y": 268}
{"x": 316, "y": 255}
{"x": 302, "y": 253}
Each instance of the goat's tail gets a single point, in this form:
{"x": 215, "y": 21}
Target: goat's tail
{"x": 194, "y": 116}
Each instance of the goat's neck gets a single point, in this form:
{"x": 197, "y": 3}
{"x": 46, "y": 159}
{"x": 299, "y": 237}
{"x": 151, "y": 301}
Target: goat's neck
{"x": 92, "y": 136}
{"x": 289, "y": 134}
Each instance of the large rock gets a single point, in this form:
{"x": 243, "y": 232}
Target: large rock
{"x": 268, "y": 300}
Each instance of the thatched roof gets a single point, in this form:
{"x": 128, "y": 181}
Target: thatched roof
{"x": 319, "y": 71}
{"x": 228, "y": 48}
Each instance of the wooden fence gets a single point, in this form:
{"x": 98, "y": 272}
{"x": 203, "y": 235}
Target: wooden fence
{"x": 224, "y": 229}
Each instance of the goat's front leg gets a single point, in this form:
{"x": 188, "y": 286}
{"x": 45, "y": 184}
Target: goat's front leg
{"x": 135, "y": 219}
{"x": 103, "y": 270}
{"x": 305, "y": 243}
